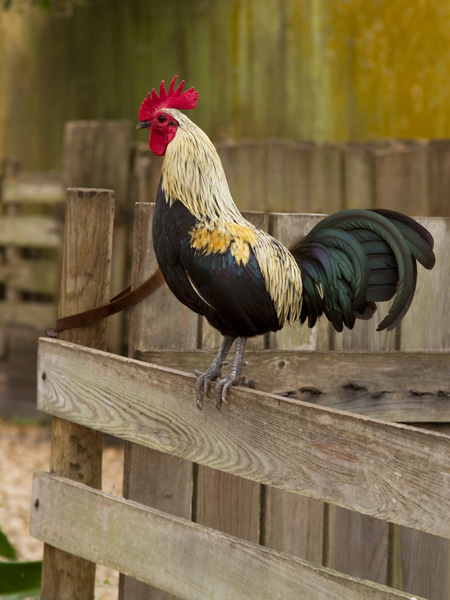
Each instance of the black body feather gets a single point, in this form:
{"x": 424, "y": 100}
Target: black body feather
{"x": 233, "y": 298}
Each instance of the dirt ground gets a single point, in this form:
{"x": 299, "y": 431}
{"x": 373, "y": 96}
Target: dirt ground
{"x": 23, "y": 450}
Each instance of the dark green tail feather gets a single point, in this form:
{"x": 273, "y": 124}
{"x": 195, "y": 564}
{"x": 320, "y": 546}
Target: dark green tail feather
{"x": 354, "y": 258}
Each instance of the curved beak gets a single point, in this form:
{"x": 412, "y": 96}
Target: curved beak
{"x": 143, "y": 125}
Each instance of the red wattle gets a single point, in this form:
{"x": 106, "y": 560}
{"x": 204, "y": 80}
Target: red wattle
{"x": 158, "y": 142}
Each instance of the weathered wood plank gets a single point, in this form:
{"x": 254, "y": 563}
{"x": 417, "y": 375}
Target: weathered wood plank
{"x": 288, "y": 228}
{"x": 97, "y": 154}
{"x": 402, "y": 178}
{"x": 359, "y": 173}
{"x": 150, "y": 477}
{"x": 76, "y": 451}
{"x": 439, "y": 173}
{"x": 225, "y": 502}
{"x": 146, "y": 173}
{"x": 39, "y": 315}
{"x": 421, "y": 562}
{"x": 228, "y": 503}
{"x": 280, "y": 176}
{"x": 183, "y": 558}
{"x": 38, "y": 276}
{"x": 159, "y": 321}
{"x": 239, "y": 161}
{"x": 294, "y": 523}
{"x": 30, "y": 231}
{"x": 405, "y": 387}
{"x": 358, "y": 545}
{"x": 34, "y": 188}
{"x": 327, "y": 174}
{"x": 425, "y": 326}
{"x": 390, "y": 471}
{"x": 301, "y": 179}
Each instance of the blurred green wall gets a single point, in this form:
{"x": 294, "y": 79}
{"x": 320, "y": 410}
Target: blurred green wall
{"x": 303, "y": 69}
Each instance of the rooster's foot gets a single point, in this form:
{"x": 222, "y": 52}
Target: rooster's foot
{"x": 203, "y": 383}
{"x": 225, "y": 383}
{"x": 214, "y": 371}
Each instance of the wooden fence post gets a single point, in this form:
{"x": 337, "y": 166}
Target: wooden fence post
{"x": 97, "y": 155}
{"x": 151, "y": 477}
{"x": 76, "y": 450}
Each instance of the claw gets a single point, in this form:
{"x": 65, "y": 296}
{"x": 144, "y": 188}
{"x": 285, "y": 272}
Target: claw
{"x": 203, "y": 384}
{"x": 222, "y": 390}
{"x": 224, "y": 384}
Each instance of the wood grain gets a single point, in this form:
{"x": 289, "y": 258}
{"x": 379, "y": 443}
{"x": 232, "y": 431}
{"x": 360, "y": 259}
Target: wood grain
{"x": 150, "y": 477}
{"x": 405, "y": 387}
{"x": 159, "y": 321}
{"x": 288, "y": 228}
{"x": 223, "y": 501}
{"x": 97, "y": 154}
{"x": 425, "y": 326}
{"x": 390, "y": 471}
{"x": 402, "y": 178}
{"x": 76, "y": 451}
{"x": 293, "y": 523}
{"x": 439, "y": 177}
{"x": 171, "y": 553}
{"x": 421, "y": 562}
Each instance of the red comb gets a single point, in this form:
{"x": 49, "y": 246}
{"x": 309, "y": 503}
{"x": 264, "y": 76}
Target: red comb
{"x": 174, "y": 98}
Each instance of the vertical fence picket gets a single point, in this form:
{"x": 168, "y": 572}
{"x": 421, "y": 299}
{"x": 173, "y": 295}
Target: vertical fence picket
{"x": 439, "y": 178}
{"x": 402, "y": 180}
{"x": 359, "y": 174}
{"x": 245, "y": 167}
{"x": 77, "y": 451}
{"x": 158, "y": 322}
{"x": 288, "y": 228}
{"x": 421, "y": 562}
{"x": 97, "y": 154}
{"x": 236, "y": 505}
{"x": 279, "y": 182}
{"x": 292, "y": 523}
{"x": 328, "y": 181}
{"x": 301, "y": 179}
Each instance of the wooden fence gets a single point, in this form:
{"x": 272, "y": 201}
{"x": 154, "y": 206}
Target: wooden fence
{"x": 286, "y": 495}
{"x": 96, "y": 153}
{"x": 31, "y": 223}
{"x": 280, "y": 175}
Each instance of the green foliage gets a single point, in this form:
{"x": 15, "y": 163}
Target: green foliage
{"x": 17, "y": 579}
{"x": 6, "y": 549}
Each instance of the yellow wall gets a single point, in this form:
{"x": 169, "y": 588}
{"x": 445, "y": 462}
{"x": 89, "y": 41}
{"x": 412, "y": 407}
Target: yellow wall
{"x": 304, "y": 69}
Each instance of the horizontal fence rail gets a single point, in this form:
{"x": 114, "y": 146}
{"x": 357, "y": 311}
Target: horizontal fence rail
{"x": 405, "y": 387}
{"x": 394, "y": 472}
{"x": 176, "y": 555}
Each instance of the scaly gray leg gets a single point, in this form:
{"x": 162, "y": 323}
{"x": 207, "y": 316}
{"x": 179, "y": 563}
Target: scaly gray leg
{"x": 235, "y": 377}
{"x": 203, "y": 383}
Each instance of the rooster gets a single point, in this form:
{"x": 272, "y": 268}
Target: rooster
{"x": 245, "y": 282}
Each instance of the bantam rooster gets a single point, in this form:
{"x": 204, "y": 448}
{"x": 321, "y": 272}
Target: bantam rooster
{"x": 244, "y": 281}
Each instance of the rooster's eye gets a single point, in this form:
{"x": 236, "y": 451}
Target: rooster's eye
{"x": 162, "y": 118}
